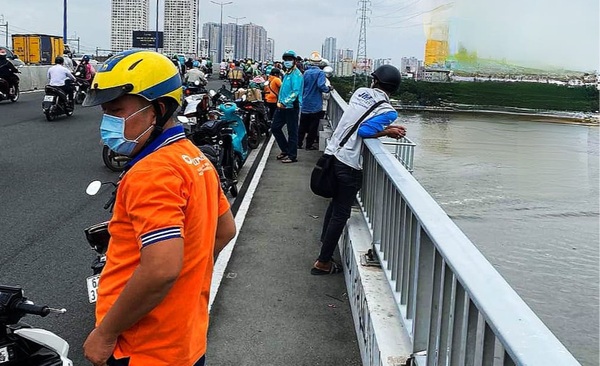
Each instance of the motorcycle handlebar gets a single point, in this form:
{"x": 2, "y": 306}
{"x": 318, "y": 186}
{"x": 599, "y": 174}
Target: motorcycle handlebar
{"x": 33, "y": 309}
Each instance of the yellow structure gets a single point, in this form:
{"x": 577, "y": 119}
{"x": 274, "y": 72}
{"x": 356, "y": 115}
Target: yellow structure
{"x": 37, "y": 48}
{"x": 436, "y": 26}
{"x": 436, "y": 52}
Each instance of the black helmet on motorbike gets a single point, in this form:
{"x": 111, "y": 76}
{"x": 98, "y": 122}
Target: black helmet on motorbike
{"x": 275, "y": 72}
{"x": 85, "y": 58}
{"x": 59, "y": 60}
{"x": 388, "y": 77}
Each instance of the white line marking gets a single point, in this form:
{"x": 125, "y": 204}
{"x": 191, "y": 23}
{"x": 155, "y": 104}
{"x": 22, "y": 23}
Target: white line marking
{"x": 225, "y": 255}
{"x": 31, "y": 91}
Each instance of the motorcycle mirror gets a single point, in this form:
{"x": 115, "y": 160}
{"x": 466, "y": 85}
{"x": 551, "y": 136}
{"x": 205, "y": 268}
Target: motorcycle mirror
{"x": 183, "y": 119}
{"x": 197, "y": 82}
{"x": 93, "y": 188}
{"x": 212, "y": 93}
{"x": 77, "y": 73}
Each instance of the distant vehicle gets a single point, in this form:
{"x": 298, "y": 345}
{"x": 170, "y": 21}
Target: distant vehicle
{"x": 14, "y": 59}
{"x": 39, "y": 49}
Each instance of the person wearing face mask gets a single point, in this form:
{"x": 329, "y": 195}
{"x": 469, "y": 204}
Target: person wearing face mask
{"x": 288, "y": 110}
{"x": 345, "y": 146}
{"x": 170, "y": 221}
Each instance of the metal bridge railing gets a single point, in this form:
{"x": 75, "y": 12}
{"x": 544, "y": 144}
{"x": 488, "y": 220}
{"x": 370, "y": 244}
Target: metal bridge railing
{"x": 457, "y": 309}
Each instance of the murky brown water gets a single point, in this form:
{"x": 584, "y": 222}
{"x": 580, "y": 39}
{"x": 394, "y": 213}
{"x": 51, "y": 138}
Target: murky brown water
{"x": 526, "y": 193}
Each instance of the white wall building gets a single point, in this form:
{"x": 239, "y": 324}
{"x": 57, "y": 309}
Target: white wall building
{"x": 380, "y": 62}
{"x": 329, "y": 50}
{"x": 344, "y": 68}
{"x": 270, "y": 49}
{"x": 127, "y": 16}
{"x": 409, "y": 64}
{"x": 210, "y": 31}
{"x": 345, "y": 54}
{"x": 181, "y": 26}
{"x": 204, "y": 47}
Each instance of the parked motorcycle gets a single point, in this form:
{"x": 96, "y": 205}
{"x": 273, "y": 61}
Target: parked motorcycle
{"x": 114, "y": 161}
{"x": 98, "y": 238}
{"x": 7, "y": 93}
{"x": 255, "y": 120}
{"x": 21, "y": 344}
{"x": 193, "y": 88}
{"x": 56, "y": 102}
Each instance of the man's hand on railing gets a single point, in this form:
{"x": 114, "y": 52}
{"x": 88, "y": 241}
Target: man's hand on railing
{"x": 395, "y": 131}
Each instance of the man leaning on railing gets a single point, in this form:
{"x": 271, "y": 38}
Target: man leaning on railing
{"x": 372, "y": 106}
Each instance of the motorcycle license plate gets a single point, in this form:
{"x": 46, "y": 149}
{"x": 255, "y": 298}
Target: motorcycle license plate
{"x": 49, "y": 98}
{"x": 92, "y": 288}
{"x": 4, "y": 355}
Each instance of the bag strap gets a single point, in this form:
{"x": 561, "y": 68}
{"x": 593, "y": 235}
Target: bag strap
{"x": 355, "y": 127}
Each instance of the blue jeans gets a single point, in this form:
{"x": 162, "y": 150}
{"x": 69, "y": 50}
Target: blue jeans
{"x": 286, "y": 117}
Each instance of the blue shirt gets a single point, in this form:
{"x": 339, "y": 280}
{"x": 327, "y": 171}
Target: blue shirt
{"x": 314, "y": 85}
{"x": 376, "y": 124}
{"x": 291, "y": 88}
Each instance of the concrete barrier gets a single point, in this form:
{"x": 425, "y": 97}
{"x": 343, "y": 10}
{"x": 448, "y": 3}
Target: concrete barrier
{"x": 33, "y": 77}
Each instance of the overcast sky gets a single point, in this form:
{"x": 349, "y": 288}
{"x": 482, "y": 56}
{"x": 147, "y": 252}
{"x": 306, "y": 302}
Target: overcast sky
{"x": 530, "y": 32}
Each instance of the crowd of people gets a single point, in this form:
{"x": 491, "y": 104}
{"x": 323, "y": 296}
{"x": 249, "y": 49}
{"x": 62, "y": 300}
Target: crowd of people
{"x": 171, "y": 219}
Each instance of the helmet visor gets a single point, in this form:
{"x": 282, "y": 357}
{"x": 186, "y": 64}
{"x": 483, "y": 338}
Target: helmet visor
{"x": 100, "y": 96}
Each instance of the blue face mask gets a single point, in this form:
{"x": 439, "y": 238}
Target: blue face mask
{"x": 112, "y": 132}
{"x": 288, "y": 64}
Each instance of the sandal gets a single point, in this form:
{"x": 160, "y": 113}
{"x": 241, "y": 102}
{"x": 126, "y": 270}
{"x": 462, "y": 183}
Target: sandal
{"x": 335, "y": 268}
{"x": 289, "y": 160}
{"x": 282, "y": 156}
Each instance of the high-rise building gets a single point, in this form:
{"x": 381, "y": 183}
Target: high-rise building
{"x": 345, "y": 54}
{"x": 181, "y": 26}
{"x": 329, "y": 51}
{"x": 380, "y": 62}
{"x": 253, "y": 42}
{"x": 210, "y": 31}
{"x": 127, "y": 16}
{"x": 251, "y": 39}
{"x": 204, "y": 47}
{"x": 344, "y": 67}
{"x": 409, "y": 65}
{"x": 270, "y": 49}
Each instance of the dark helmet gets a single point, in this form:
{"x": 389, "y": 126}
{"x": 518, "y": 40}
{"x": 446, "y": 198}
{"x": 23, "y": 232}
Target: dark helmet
{"x": 289, "y": 54}
{"x": 59, "y": 60}
{"x": 388, "y": 77}
{"x": 275, "y": 72}
{"x": 85, "y": 58}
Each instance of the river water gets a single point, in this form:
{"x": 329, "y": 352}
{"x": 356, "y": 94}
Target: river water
{"x": 526, "y": 193}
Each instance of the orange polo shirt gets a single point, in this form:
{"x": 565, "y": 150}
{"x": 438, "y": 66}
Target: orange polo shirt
{"x": 272, "y": 91}
{"x": 172, "y": 192}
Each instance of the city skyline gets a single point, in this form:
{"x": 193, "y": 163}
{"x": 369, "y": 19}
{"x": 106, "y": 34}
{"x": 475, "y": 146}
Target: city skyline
{"x": 530, "y": 39}
{"x": 248, "y": 40}
{"x": 181, "y": 27}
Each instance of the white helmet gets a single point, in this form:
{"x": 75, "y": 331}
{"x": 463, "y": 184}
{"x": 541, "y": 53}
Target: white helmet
{"x": 324, "y": 63}
{"x": 328, "y": 70}
{"x": 315, "y": 58}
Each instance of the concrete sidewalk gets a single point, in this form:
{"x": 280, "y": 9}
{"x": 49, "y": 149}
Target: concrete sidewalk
{"x": 269, "y": 309}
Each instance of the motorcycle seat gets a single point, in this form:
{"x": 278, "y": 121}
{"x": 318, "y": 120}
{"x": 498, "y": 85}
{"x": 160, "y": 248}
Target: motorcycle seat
{"x": 54, "y": 90}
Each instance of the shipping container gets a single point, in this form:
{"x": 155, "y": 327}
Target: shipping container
{"x": 39, "y": 49}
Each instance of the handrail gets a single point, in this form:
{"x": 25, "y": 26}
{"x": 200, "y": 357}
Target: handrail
{"x": 457, "y": 308}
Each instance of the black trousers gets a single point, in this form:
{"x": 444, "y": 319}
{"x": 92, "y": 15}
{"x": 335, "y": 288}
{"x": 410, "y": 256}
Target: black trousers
{"x": 309, "y": 128}
{"x": 348, "y": 182}
{"x": 272, "y": 107}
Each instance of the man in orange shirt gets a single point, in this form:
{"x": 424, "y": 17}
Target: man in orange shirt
{"x": 272, "y": 91}
{"x": 170, "y": 221}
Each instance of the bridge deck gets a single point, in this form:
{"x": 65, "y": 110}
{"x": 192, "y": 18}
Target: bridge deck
{"x": 269, "y": 309}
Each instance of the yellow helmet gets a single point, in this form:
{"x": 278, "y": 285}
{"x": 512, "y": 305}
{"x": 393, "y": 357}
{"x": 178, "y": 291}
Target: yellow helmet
{"x": 144, "y": 73}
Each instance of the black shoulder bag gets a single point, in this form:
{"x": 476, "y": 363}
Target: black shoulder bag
{"x": 322, "y": 178}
